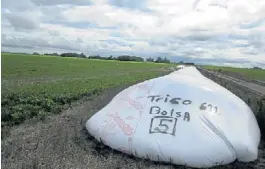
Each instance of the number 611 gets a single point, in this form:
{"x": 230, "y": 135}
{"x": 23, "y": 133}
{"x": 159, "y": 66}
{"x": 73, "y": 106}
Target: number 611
{"x": 209, "y": 107}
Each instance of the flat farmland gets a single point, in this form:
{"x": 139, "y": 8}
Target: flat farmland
{"x": 37, "y": 85}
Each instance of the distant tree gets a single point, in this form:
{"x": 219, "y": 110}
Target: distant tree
{"x": 165, "y": 60}
{"x": 51, "y": 54}
{"x": 110, "y": 58}
{"x": 65, "y": 55}
{"x": 94, "y": 57}
{"x": 150, "y": 59}
{"x": 130, "y": 58}
{"x": 82, "y": 55}
{"x": 73, "y": 55}
{"x": 255, "y": 67}
{"x": 189, "y": 63}
{"x": 35, "y": 53}
{"x": 159, "y": 60}
{"x": 137, "y": 59}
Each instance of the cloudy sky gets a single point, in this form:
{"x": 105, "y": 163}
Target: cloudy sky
{"x": 226, "y": 32}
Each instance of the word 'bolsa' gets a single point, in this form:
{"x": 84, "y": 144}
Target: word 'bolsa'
{"x": 172, "y": 113}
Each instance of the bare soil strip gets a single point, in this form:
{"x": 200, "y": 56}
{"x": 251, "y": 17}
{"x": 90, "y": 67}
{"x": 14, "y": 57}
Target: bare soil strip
{"x": 242, "y": 77}
{"x": 259, "y": 89}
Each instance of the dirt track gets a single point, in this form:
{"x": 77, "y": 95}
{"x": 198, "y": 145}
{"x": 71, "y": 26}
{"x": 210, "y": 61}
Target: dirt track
{"x": 259, "y": 89}
{"x": 62, "y": 142}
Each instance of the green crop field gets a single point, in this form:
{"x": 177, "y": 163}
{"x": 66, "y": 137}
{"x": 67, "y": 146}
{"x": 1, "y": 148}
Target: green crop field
{"x": 37, "y": 85}
{"x": 258, "y": 74}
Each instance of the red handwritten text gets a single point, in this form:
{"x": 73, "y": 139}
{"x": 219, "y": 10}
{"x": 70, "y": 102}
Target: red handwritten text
{"x": 126, "y": 128}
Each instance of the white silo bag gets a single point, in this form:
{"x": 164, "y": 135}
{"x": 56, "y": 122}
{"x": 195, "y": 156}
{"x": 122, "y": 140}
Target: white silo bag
{"x": 183, "y": 118}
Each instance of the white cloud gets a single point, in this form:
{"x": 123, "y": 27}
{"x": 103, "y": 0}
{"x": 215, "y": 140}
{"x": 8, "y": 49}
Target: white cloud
{"x": 106, "y": 15}
{"x": 198, "y": 29}
{"x": 60, "y": 2}
{"x": 90, "y": 34}
{"x": 23, "y": 20}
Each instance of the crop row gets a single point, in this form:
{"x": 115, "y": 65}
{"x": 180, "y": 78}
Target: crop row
{"x": 49, "y": 98}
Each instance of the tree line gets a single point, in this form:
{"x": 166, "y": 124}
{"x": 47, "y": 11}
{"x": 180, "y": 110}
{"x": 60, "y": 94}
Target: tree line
{"x": 120, "y": 58}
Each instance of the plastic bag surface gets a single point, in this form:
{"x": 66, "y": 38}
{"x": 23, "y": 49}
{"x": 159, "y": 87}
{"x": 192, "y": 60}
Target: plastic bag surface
{"x": 183, "y": 118}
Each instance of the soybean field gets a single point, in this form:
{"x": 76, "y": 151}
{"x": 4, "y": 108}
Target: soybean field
{"x": 38, "y": 85}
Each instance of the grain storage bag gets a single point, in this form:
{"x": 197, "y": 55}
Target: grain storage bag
{"x": 182, "y": 118}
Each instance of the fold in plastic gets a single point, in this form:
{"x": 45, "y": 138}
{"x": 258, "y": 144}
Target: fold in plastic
{"x": 183, "y": 118}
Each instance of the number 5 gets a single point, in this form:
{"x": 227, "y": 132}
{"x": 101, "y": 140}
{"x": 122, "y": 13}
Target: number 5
{"x": 163, "y": 125}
